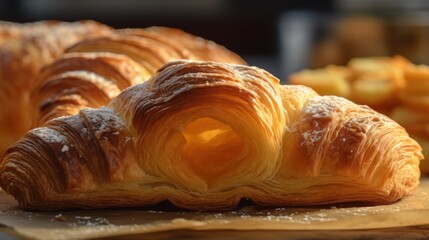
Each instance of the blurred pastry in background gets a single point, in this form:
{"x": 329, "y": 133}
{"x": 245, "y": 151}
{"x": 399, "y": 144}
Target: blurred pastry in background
{"x": 373, "y": 81}
{"x": 410, "y": 40}
{"x": 366, "y": 35}
{"x": 415, "y": 93}
{"x": 412, "y": 112}
{"x": 332, "y": 80}
{"x": 393, "y": 86}
{"x": 353, "y": 36}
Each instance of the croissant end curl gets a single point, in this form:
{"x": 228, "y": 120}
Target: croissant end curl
{"x": 204, "y": 135}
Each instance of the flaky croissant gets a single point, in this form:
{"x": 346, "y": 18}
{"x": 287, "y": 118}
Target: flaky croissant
{"x": 204, "y": 135}
{"x": 24, "y": 50}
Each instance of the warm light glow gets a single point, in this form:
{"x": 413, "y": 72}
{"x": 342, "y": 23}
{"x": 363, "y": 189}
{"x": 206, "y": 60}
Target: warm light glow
{"x": 212, "y": 148}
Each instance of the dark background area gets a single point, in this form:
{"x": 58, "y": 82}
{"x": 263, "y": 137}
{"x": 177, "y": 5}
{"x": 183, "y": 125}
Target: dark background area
{"x": 245, "y": 26}
{"x": 255, "y": 29}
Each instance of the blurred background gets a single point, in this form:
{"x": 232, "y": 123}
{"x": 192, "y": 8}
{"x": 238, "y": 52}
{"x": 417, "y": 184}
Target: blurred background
{"x": 280, "y": 36}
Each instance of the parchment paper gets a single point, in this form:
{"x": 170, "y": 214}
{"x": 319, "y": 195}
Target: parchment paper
{"x": 412, "y": 210}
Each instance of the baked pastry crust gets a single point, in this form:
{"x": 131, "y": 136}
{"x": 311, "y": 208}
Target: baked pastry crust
{"x": 204, "y": 135}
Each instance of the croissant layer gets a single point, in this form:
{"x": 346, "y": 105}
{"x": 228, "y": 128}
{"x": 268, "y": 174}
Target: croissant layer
{"x": 204, "y": 135}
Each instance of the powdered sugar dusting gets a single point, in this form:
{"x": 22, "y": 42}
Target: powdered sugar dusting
{"x": 84, "y": 131}
{"x": 90, "y": 221}
{"x": 65, "y": 148}
{"x": 53, "y": 137}
{"x": 319, "y": 107}
{"x": 105, "y": 120}
{"x": 49, "y": 135}
{"x": 312, "y": 136}
{"x": 318, "y": 113}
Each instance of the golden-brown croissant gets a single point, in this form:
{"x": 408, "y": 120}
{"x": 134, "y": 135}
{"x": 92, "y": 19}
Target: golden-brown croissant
{"x": 24, "y": 50}
{"x": 204, "y": 135}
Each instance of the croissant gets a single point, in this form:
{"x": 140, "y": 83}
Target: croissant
{"x": 204, "y": 135}
{"x": 24, "y": 50}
